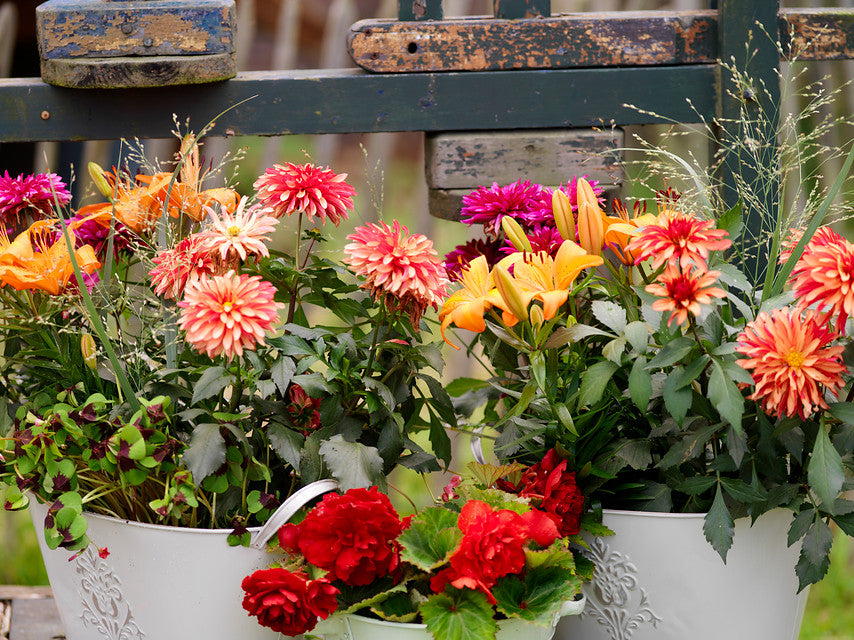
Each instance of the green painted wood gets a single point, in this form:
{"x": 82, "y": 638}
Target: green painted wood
{"x": 418, "y": 10}
{"x": 748, "y": 41}
{"x": 94, "y": 28}
{"x": 519, "y": 9}
{"x": 346, "y": 101}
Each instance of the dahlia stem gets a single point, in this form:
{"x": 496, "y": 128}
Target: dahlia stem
{"x": 374, "y": 342}
{"x": 292, "y": 305}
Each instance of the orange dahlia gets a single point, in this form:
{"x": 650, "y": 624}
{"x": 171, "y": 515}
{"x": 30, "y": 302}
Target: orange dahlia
{"x": 791, "y": 361}
{"x": 227, "y": 314}
{"x": 174, "y": 268}
{"x": 317, "y": 191}
{"x": 678, "y": 238}
{"x": 239, "y": 234}
{"x": 824, "y": 276}
{"x": 683, "y": 292}
{"x": 404, "y": 270}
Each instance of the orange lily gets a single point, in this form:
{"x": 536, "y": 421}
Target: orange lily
{"x": 549, "y": 279}
{"x": 591, "y": 219}
{"x": 135, "y": 205}
{"x": 466, "y": 307}
{"x": 620, "y": 229}
{"x": 49, "y": 268}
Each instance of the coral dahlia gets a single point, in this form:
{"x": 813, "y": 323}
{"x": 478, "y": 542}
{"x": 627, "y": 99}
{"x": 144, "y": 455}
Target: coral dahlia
{"x": 683, "y": 292}
{"x": 402, "y": 269}
{"x": 34, "y": 191}
{"x": 227, "y": 314}
{"x": 285, "y": 189}
{"x": 824, "y": 276}
{"x": 678, "y": 238}
{"x": 187, "y": 262}
{"x": 791, "y": 360}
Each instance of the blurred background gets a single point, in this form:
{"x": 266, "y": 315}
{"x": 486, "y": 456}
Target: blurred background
{"x": 387, "y": 170}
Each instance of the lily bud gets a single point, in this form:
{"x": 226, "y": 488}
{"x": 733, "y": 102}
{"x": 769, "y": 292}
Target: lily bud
{"x": 591, "y": 227}
{"x": 510, "y": 293}
{"x": 89, "y": 351}
{"x": 562, "y": 211}
{"x": 515, "y": 234}
{"x": 537, "y": 317}
{"x": 99, "y": 177}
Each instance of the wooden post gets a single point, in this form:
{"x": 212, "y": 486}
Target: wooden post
{"x": 748, "y": 35}
{"x": 518, "y": 9}
{"x": 409, "y": 10}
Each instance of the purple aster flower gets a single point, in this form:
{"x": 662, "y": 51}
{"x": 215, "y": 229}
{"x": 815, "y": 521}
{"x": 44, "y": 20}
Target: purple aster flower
{"x": 34, "y": 191}
{"x": 458, "y": 259}
{"x": 487, "y": 206}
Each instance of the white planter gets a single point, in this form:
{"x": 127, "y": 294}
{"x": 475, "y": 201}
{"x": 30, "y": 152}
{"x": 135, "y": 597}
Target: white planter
{"x": 659, "y": 579}
{"x": 158, "y": 583}
{"x": 360, "y": 628}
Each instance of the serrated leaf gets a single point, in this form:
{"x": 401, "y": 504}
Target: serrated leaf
{"x": 397, "y": 607}
{"x": 538, "y": 596}
{"x": 814, "y": 558}
{"x": 353, "y": 464}
{"x": 431, "y": 538}
{"x": 287, "y": 443}
{"x": 696, "y": 485}
{"x": 825, "y": 472}
{"x": 677, "y": 400}
{"x": 671, "y": 353}
{"x": 282, "y": 372}
{"x": 206, "y": 451}
{"x": 736, "y": 372}
{"x": 637, "y": 333}
{"x": 614, "y": 350}
{"x": 580, "y": 331}
{"x": 742, "y": 491}
{"x": 732, "y": 220}
{"x": 718, "y": 526}
{"x": 726, "y": 397}
{"x": 594, "y": 381}
{"x": 799, "y": 526}
{"x": 459, "y": 614}
{"x": 843, "y": 411}
{"x": 732, "y": 277}
{"x": 640, "y": 384}
{"x": 211, "y": 383}
{"x": 488, "y": 474}
{"x": 610, "y": 314}
{"x": 636, "y": 453}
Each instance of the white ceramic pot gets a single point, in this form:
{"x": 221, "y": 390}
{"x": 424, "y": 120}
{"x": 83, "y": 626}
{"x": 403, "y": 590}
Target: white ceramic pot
{"x": 659, "y": 579}
{"x": 158, "y": 583}
{"x": 352, "y": 627}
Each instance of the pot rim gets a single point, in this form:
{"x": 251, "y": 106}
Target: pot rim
{"x": 655, "y": 514}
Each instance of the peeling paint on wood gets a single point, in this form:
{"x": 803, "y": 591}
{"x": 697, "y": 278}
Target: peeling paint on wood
{"x": 419, "y": 10}
{"x": 623, "y": 38}
{"x": 90, "y": 29}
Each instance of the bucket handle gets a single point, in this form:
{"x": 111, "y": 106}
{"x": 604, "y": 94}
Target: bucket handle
{"x": 288, "y": 508}
{"x": 476, "y": 446}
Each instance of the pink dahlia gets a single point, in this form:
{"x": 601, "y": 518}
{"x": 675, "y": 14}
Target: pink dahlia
{"x": 321, "y": 192}
{"x": 488, "y": 206}
{"x": 174, "y": 268}
{"x": 238, "y": 234}
{"x": 34, "y": 191}
{"x": 227, "y": 314}
{"x": 824, "y": 276}
{"x": 791, "y": 360}
{"x": 403, "y": 270}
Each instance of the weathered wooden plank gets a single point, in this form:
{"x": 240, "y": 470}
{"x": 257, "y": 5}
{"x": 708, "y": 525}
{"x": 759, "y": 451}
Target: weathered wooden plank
{"x": 36, "y": 619}
{"x": 83, "y": 28}
{"x": 351, "y": 101}
{"x": 124, "y": 72}
{"x": 519, "y": 9}
{"x": 621, "y": 38}
{"x": 468, "y": 159}
{"x": 18, "y": 592}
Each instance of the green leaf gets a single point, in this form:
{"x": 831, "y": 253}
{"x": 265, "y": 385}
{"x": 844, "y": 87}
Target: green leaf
{"x": 825, "y": 473}
{"x": 732, "y": 277}
{"x": 206, "y": 452}
{"x": 610, "y": 314}
{"x": 594, "y": 381}
{"x": 732, "y": 221}
{"x": 696, "y": 485}
{"x": 431, "y": 538}
{"x": 691, "y": 371}
{"x": 814, "y": 559}
{"x": 282, "y": 371}
{"x": 441, "y": 400}
{"x": 397, "y": 607}
{"x": 211, "y": 383}
{"x": 287, "y": 443}
{"x": 742, "y": 491}
{"x": 672, "y": 352}
{"x": 843, "y": 411}
{"x": 613, "y": 351}
{"x": 640, "y": 384}
{"x": 459, "y": 615}
{"x": 462, "y": 385}
{"x": 799, "y": 526}
{"x": 636, "y": 453}
{"x": 538, "y": 596}
{"x": 726, "y": 397}
{"x": 637, "y": 333}
{"x": 677, "y": 400}
{"x": 353, "y": 464}
{"x": 580, "y": 331}
{"x": 719, "y": 527}
{"x": 559, "y": 337}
